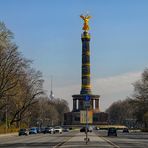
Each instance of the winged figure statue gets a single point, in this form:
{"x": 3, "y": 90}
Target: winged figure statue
{"x": 86, "y": 20}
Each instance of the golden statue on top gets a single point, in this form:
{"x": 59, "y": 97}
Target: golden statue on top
{"x": 86, "y": 20}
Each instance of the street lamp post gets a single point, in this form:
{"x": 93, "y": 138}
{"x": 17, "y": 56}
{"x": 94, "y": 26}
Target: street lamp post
{"x": 6, "y": 122}
{"x": 86, "y": 129}
{"x": 87, "y": 105}
{"x": 6, "y": 119}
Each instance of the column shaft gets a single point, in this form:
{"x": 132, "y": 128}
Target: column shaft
{"x": 85, "y": 85}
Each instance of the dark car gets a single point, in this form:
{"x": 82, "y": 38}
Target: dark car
{"x": 65, "y": 129}
{"x": 83, "y": 129}
{"x": 112, "y": 131}
{"x": 38, "y": 130}
{"x": 42, "y": 129}
{"x": 49, "y": 130}
{"x": 125, "y": 130}
{"x": 23, "y": 131}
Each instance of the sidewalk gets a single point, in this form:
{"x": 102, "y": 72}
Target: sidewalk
{"x": 8, "y": 134}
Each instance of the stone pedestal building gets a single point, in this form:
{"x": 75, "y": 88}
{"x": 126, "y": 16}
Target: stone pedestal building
{"x": 73, "y": 117}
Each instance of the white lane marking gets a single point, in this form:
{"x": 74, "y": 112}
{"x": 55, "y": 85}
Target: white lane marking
{"x": 116, "y": 146}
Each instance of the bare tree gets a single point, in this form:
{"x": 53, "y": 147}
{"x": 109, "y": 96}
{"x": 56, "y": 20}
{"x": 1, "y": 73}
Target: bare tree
{"x": 30, "y": 88}
{"x": 120, "y": 111}
{"x": 11, "y": 67}
{"x": 5, "y": 36}
{"x": 21, "y": 88}
{"x": 61, "y": 106}
{"x": 140, "y": 98}
{"x": 20, "y": 85}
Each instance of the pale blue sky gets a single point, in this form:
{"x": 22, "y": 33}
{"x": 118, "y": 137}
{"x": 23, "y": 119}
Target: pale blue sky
{"x": 48, "y": 32}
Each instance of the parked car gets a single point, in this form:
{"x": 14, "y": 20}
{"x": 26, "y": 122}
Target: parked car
{"x": 38, "y": 130}
{"x": 89, "y": 129}
{"x": 65, "y": 129}
{"x": 112, "y": 131}
{"x": 96, "y": 128}
{"x": 58, "y": 129}
{"x": 49, "y": 130}
{"x": 23, "y": 131}
{"x": 33, "y": 130}
{"x": 42, "y": 129}
{"x": 125, "y": 130}
{"x": 83, "y": 129}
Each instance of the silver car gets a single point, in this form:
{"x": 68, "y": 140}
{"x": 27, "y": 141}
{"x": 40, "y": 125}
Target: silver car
{"x": 58, "y": 129}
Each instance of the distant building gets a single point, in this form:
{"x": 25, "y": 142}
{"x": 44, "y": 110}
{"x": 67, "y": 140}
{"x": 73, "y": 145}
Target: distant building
{"x": 79, "y": 103}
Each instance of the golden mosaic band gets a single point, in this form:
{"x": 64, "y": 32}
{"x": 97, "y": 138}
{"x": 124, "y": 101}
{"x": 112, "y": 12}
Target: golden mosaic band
{"x": 87, "y": 53}
{"x": 86, "y": 86}
{"x": 86, "y": 75}
{"x": 86, "y": 64}
{"x": 85, "y": 36}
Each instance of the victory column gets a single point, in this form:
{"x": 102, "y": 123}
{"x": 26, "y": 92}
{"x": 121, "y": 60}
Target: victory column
{"x": 73, "y": 118}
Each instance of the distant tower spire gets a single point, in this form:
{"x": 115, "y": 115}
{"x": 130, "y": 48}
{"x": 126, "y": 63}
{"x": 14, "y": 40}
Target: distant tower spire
{"x": 51, "y": 92}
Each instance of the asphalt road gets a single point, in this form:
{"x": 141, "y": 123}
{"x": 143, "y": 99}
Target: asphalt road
{"x": 133, "y": 139}
{"x": 75, "y": 139}
{"x": 35, "y": 140}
